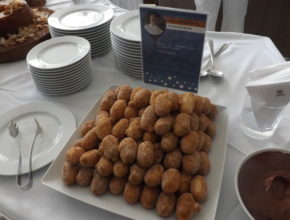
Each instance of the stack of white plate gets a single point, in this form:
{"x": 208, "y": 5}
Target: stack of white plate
{"x": 88, "y": 21}
{"x": 126, "y": 43}
{"x": 60, "y": 66}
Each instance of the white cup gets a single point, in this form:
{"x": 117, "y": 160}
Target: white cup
{"x": 263, "y": 123}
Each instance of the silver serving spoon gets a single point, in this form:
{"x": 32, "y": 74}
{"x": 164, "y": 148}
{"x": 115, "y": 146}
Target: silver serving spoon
{"x": 13, "y": 131}
{"x": 208, "y": 67}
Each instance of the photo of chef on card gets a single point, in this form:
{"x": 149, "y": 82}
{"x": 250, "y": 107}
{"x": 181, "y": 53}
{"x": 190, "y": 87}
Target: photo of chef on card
{"x": 172, "y": 46}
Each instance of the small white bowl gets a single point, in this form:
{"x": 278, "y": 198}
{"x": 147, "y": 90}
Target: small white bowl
{"x": 246, "y": 159}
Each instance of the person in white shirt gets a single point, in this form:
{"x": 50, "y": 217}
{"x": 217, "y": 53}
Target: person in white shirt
{"x": 234, "y": 12}
{"x": 152, "y": 27}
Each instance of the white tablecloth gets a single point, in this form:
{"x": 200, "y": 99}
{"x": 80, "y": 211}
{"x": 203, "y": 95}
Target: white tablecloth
{"x": 16, "y": 87}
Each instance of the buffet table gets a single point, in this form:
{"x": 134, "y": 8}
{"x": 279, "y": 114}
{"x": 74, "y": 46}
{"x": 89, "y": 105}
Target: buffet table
{"x": 246, "y": 52}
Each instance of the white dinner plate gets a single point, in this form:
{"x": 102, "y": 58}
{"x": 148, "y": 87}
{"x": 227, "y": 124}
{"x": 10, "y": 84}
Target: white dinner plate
{"x": 80, "y": 17}
{"x": 96, "y": 30}
{"x": 127, "y": 26}
{"x": 62, "y": 84}
{"x": 135, "y": 65}
{"x": 62, "y": 71}
{"x": 127, "y": 53}
{"x": 126, "y": 42}
{"x": 57, "y": 124}
{"x": 117, "y": 204}
{"x": 91, "y": 36}
{"x": 65, "y": 92}
{"x": 58, "y": 52}
{"x": 126, "y": 48}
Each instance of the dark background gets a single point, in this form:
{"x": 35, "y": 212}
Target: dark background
{"x": 269, "y": 18}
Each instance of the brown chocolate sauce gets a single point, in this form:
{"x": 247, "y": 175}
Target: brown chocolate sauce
{"x": 264, "y": 185}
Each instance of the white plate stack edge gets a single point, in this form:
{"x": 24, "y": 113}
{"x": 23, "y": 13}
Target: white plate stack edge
{"x": 89, "y": 21}
{"x": 60, "y": 66}
{"x": 126, "y": 43}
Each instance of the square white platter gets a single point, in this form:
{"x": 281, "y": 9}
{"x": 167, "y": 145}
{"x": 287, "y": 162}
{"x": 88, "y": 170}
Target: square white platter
{"x": 117, "y": 204}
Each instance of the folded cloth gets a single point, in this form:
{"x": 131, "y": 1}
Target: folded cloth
{"x": 269, "y": 90}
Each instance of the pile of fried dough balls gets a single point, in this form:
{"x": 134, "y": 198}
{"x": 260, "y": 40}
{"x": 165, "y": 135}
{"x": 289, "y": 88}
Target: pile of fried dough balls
{"x": 150, "y": 146}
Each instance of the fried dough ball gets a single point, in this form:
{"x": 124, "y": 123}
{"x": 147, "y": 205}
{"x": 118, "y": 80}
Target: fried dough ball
{"x": 169, "y": 142}
{"x": 110, "y": 146}
{"x": 73, "y": 155}
{"x": 206, "y": 106}
{"x": 145, "y": 154}
{"x": 174, "y": 101}
{"x": 194, "y": 122}
{"x": 213, "y": 112}
{"x": 117, "y": 185}
{"x": 132, "y": 193}
{"x": 152, "y": 137}
{"x": 165, "y": 204}
{"x": 141, "y": 111}
{"x": 90, "y": 140}
{"x": 120, "y": 169}
{"x": 107, "y": 100}
{"x": 69, "y": 173}
{"x": 104, "y": 166}
{"x": 99, "y": 184}
{"x": 88, "y": 125}
{"x": 101, "y": 114}
{"x": 154, "y": 95}
{"x": 187, "y": 102}
{"x": 120, "y": 128}
{"x": 206, "y": 147}
{"x": 191, "y": 163}
{"x": 137, "y": 174}
{"x": 134, "y": 130}
{"x": 201, "y": 139}
{"x": 204, "y": 164}
{"x": 163, "y": 125}
{"x": 77, "y": 143}
{"x": 149, "y": 197}
{"x": 90, "y": 158}
{"x": 184, "y": 183}
{"x": 124, "y": 92}
{"x": 85, "y": 176}
{"x": 128, "y": 150}
{"x": 163, "y": 105}
{"x": 186, "y": 207}
{"x": 173, "y": 160}
{"x": 203, "y": 122}
{"x": 181, "y": 125}
{"x": 134, "y": 91}
{"x": 153, "y": 176}
{"x": 148, "y": 119}
{"x": 198, "y": 107}
{"x": 103, "y": 127}
{"x": 117, "y": 110}
{"x": 141, "y": 98}
{"x": 198, "y": 188}
{"x": 158, "y": 154}
{"x": 189, "y": 143}
{"x": 211, "y": 129}
{"x": 170, "y": 180}
{"x": 130, "y": 112}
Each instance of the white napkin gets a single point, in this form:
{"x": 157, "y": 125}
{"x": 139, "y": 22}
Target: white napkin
{"x": 268, "y": 88}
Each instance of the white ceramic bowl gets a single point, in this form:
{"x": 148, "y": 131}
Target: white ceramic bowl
{"x": 243, "y": 162}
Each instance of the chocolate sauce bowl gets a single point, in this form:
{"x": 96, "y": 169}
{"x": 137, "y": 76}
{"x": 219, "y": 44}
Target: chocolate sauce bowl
{"x": 263, "y": 184}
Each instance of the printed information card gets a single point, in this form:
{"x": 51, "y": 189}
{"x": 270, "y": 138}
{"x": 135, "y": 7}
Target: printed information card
{"x": 172, "y": 46}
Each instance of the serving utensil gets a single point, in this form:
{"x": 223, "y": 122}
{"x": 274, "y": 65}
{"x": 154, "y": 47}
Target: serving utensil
{"x": 209, "y": 67}
{"x": 14, "y": 131}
